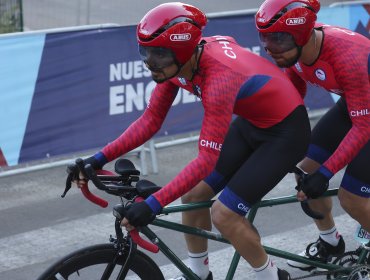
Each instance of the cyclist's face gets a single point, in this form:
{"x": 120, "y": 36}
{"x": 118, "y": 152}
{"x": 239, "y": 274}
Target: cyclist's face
{"x": 285, "y": 59}
{"x": 281, "y": 47}
{"x": 159, "y": 75}
{"x": 160, "y": 61}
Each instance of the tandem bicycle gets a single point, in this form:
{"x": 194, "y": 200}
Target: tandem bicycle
{"x": 121, "y": 259}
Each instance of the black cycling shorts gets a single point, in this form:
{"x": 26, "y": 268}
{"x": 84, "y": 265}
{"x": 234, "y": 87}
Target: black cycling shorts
{"x": 254, "y": 160}
{"x": 326, "y": 137}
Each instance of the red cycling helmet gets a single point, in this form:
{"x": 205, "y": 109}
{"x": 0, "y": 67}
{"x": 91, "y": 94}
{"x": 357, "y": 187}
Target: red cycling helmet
{"x": 295, "y": 17}
{"x": 169, "y": 33}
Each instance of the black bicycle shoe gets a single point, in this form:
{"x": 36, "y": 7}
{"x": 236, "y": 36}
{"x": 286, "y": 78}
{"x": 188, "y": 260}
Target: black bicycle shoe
{"x": 283, "y": 274}
{"x": 182, "y": 277}
{"x": 319, "y": 251}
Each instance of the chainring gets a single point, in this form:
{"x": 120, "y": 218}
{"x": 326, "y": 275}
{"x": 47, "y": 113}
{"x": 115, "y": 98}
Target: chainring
{"x": 362, "y": 272}
{"x": 347, "y": 259}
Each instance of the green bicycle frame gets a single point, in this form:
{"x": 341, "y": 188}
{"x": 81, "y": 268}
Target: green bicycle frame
{"x": 217, "y": 237}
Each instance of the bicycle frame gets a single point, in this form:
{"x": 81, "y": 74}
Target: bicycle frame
{"x": 129, "y": 174}
{"x": 217, "y": 237}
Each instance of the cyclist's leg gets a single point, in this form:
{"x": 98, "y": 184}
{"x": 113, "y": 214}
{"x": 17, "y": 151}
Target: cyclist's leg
{"x": 277, "y": 151}
{"x": 198, "y": 246}
{"x": 197, "y": 218}
{"x": 325, "y": 138}
{"x": 354, "y": 194}
{"x": 356, "y": 206}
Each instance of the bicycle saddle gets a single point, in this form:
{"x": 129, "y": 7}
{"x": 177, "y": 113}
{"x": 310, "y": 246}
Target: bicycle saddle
{"x": 125, "y": 167}
{"x": 145, "y": 188}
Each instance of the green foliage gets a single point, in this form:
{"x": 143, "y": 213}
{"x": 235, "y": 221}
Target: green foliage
{"x": 10, "y": 16}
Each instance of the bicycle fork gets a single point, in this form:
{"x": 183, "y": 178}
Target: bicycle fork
{"x": 125, "y": 251}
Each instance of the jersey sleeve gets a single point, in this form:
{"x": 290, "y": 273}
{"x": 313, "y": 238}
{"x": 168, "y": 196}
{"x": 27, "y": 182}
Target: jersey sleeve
{"x": 218, "y": 109}
{"x": 145, "y": 126}
{"x": 297, "y": 81}
{"x": 355, "y": 82}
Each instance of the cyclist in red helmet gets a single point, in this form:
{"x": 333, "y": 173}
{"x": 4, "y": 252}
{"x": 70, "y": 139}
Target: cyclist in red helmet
{"x": 263, "y": 143}
{"x": 337, "y": 60}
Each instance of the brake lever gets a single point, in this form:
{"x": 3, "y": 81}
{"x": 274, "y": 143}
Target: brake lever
{"x": 91, "y": 174}
{"x": 68, "y": 183}
{"x": 72, "y": 170}
{"x": 81, "y": 167}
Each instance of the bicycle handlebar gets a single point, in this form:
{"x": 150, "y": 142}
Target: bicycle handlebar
{"x": 85, "y": 188}
{"x": 142, "y": 242}
{"x": 90, "y": 173}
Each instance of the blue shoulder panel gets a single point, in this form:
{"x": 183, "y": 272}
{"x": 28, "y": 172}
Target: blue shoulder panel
{"x": 253, "y": 85}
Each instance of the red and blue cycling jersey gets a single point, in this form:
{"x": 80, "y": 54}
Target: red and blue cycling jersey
{"x": 341, "y": 68}
{"x": 229, "y": 80}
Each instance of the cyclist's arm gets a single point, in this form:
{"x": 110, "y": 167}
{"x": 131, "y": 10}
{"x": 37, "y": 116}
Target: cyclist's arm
{"x": 144, "y": 127}
{"x": 357, "y": 96}
{"x": 218, "y": 108}
{"x": 298, "y": 82}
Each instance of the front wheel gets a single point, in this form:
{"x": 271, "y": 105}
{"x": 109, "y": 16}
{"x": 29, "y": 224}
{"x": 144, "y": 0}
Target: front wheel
{"x": 102, "y": 262}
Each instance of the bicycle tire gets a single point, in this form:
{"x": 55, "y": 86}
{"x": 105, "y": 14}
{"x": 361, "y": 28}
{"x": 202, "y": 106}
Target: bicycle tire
{"x": 78, "y": 265}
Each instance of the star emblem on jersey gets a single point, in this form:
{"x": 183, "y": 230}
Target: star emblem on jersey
{"x": 320, "y": 74}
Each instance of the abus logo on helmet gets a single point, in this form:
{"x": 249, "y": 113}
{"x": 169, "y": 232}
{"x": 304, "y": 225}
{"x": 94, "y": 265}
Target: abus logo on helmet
{"x": 295, "y": 21}
{"x": 144, "y": 31}
{"x": 180, "y": 37}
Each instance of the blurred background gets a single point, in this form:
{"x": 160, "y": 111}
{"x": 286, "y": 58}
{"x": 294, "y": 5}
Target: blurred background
{"x": 56, "y": 54}
{"x": 24, "y": 15}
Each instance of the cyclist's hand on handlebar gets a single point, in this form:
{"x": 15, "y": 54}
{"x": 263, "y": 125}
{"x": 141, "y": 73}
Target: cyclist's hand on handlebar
{"x": 137, "y": 215}
{"x": 76, "y": 171}
{"x": 314, "y": 186}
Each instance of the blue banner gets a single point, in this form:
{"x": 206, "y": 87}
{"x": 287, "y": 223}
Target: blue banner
{"x": 72, "y": 91}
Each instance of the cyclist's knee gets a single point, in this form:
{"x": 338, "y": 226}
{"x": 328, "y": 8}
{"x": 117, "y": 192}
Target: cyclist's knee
{"x": 354, "y": 205}
{"x": 189, "y": 197}
{"x": 221, "y": 216}
{"x": 224, "y": 219}
{"x": 323, "y": 204}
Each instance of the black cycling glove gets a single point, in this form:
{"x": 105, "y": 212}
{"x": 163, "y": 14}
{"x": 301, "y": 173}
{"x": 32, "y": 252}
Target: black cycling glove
{"x": 139, "y": 214}
{"x": 315, "y": 185}
{"x": 74, "y": 171}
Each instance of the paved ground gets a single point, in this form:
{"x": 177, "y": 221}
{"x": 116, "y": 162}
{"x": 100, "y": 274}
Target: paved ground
{"x": 37, "y": 226}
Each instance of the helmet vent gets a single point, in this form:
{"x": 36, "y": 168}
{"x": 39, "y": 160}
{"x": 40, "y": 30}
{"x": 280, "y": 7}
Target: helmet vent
{"x": 169, "y": 25}
{"x": 286, "y": 9}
